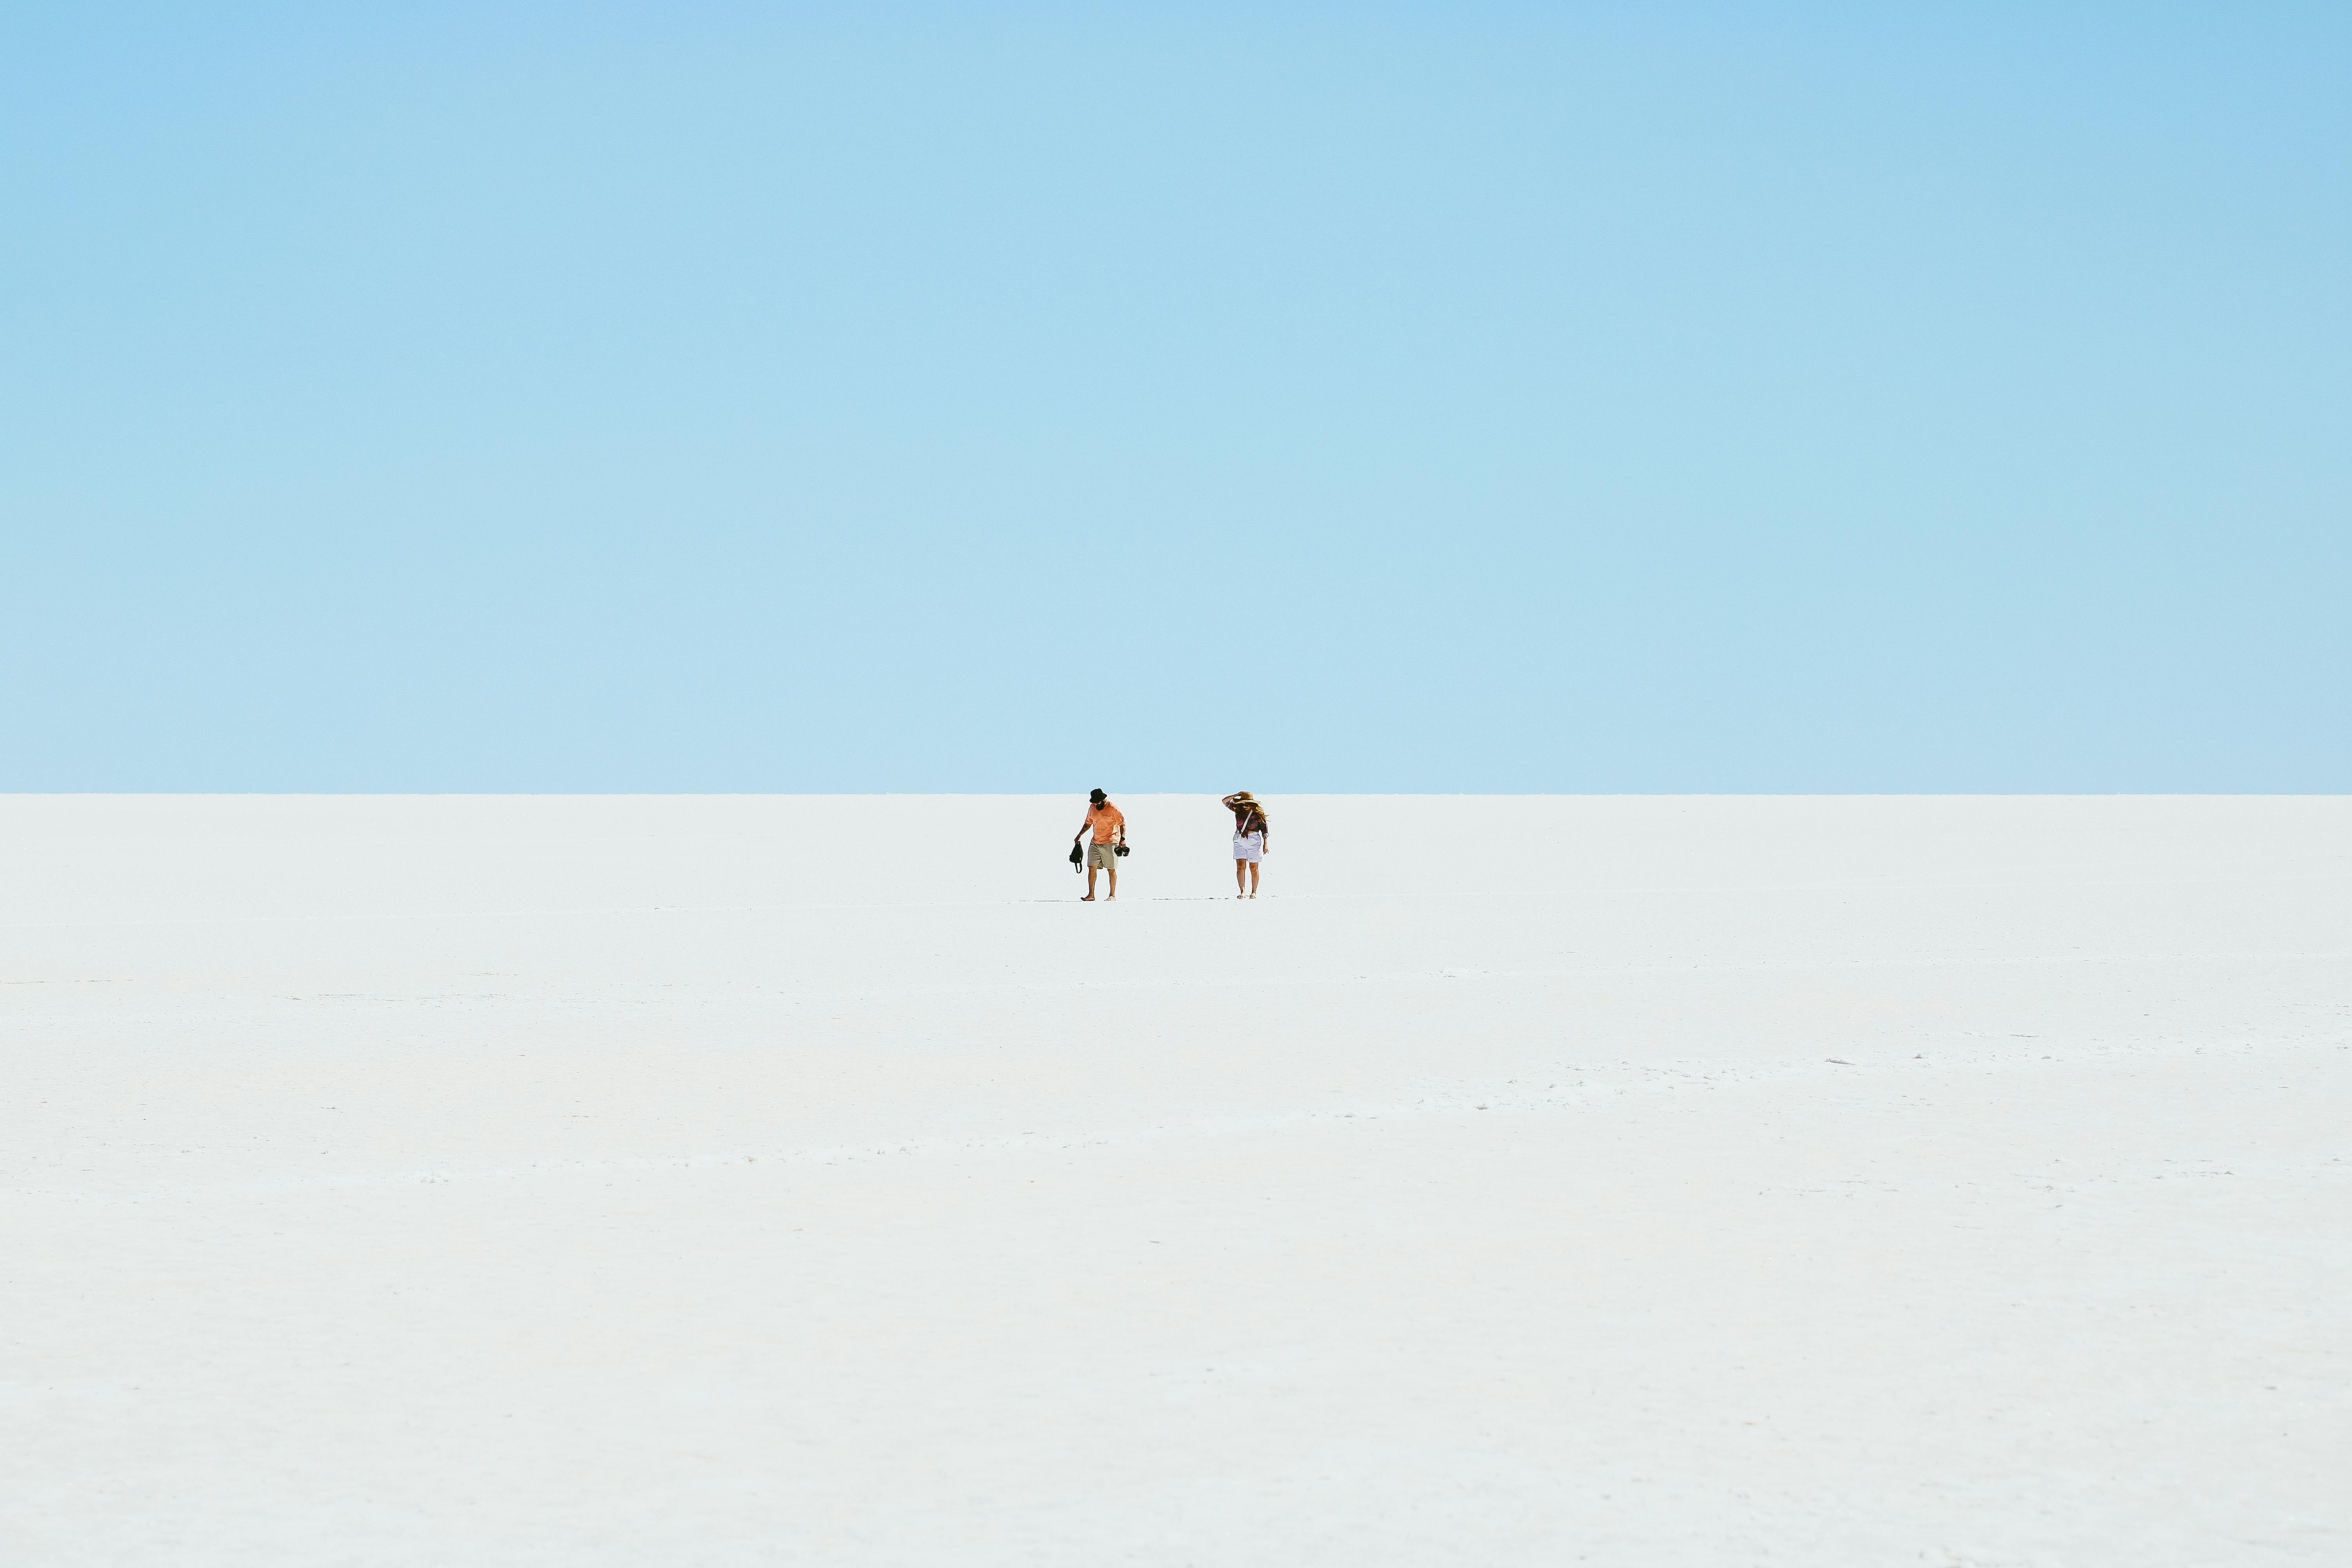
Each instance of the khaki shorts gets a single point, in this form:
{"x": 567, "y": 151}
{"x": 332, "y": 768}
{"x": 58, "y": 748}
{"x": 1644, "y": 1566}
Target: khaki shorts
{"x": 1100, "y": 856}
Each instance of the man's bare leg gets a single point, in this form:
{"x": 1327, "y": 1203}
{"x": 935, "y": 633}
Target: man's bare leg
{"x": 1113, "y": 884}
{"x": 1090, "y": 884}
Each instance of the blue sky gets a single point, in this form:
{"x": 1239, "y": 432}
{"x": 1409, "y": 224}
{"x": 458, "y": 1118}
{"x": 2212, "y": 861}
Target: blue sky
{"x": 1470, "y": 397}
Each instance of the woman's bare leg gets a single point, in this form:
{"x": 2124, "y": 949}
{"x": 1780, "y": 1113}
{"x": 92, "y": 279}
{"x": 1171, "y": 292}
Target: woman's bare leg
{"x": 1253, "y": 865}
{"x": 1239, "y": 876}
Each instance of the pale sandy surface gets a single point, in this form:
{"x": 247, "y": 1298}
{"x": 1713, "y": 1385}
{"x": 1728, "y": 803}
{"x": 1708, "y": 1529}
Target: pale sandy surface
{"x": 585, "y": 1181}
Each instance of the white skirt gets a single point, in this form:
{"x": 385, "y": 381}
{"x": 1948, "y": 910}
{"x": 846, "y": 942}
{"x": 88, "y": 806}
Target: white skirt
{"x": 1249, "y": 847}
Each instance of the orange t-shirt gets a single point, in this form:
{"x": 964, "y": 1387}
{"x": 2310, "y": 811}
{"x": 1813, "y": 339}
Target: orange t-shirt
{"x": 1103, "y": 818}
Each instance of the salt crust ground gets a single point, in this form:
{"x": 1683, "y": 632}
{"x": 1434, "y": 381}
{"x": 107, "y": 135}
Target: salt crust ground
{"x": 748, "y": 1181}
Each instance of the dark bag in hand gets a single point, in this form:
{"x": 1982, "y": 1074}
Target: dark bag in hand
{"x": 1077, "y": 856}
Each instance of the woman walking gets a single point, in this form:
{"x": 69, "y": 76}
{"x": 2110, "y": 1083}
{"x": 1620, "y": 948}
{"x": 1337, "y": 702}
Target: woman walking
{"x": 1249, "y": 841}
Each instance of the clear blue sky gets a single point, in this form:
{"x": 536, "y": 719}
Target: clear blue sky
{"x": 1470, "y": 397}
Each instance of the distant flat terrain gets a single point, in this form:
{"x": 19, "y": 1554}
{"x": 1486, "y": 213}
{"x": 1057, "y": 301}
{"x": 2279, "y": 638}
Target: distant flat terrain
{"x": 588, "y": 1181}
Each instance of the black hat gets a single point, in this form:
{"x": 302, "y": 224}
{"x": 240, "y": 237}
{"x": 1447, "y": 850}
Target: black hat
{"x": 1097, "y": 796}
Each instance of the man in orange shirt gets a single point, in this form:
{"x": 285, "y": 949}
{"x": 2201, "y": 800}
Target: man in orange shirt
{"x": 1110, "y": 841}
